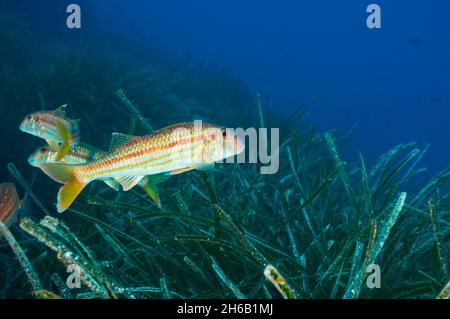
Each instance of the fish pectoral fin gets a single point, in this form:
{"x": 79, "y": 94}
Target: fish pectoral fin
{"x": 119, "y": 139}
{"x": 112, "y": 183}
{"x": 62, "y": 151}
{"x": 52, "y": 143}
{"x": 128, "y": 182}
{"x": 151, "y": 190}
{"x": 181, "y": 170}
{"x": 63, "y": 133}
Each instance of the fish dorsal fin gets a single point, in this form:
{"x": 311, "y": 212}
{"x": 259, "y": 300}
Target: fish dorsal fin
{"x": 119, "y": 139}
{"x": 75, "y": 123}
{"x": 128, "y": 182}
{"x": 62, "y": 110}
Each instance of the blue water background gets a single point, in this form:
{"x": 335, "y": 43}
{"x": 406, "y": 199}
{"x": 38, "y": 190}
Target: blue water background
{"x": 394, "y": 81}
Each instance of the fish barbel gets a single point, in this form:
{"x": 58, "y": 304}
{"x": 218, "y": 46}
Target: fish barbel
{"x": 169, "y": 151}
{"x": 55, "y": 127}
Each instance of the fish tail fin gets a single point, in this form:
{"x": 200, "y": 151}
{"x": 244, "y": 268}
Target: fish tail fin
{"x": 68, "y": 193}
{"x": 64, "y": 174}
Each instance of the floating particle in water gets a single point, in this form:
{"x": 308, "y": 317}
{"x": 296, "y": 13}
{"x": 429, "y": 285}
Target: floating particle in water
{"x": 436, "y": 100}
{"x": 415, "y": 41}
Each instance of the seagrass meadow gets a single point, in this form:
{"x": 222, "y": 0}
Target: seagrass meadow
{"x": 312, "y": 230}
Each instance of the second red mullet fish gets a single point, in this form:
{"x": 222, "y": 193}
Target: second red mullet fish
{"x": 83, "y": 154}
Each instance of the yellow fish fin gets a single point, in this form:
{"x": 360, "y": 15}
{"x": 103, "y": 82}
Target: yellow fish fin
{"x": 112, "y": 183}
{"x": 64, "y": 134}
{"x": 128, "y": 182}
{"x": 151, "y": 190}
{"x": 62, "y": 151}
{"x": 63, "y": 173}
{"x": 68, "y": 193}
{"x": 119, "y": 139}
{"x": 52, "y": 143}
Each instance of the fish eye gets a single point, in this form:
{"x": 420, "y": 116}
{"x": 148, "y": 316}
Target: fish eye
{"x": 29, "y": 117}
{"x": 224, "y": 133}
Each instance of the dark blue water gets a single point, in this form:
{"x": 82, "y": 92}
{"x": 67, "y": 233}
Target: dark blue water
{"x": 394, "y": 81}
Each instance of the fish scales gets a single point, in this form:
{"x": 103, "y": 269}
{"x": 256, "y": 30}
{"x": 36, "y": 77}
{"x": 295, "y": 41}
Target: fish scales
{"x": 151, "y": 154}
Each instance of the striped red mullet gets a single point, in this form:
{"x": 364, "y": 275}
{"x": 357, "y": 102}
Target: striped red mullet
{"x": 9, "y": 203}
{"x": 55, "y": 127}
{"x": 172, "y": 150}
{"x": 78, "y": 154}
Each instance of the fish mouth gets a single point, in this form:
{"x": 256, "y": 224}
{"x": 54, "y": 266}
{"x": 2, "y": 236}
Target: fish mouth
{"x": 23, "y": 127}
{"x": 32, "y": 162}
